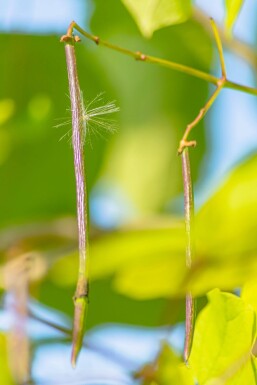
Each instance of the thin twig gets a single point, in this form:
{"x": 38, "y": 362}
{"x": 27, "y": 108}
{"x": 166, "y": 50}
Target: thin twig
{"x": 189, "y": 225}
{"x": 220, "y": 84}
{"x": 219, "y": 46}
{"x": 240, "y": 48}
{"x": 81, "y": 294}
{"x": 192, "y": 143}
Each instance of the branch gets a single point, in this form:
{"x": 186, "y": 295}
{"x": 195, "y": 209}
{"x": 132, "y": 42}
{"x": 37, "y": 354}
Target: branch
{"x": 162, "y": 62}
{"x": 81, "y": 294}
{"x": 146, "y": 58}
{"x": 220, "y": 84}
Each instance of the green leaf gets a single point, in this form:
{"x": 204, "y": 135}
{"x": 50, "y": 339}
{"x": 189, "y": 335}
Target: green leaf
{"x": 145, "y": 263}
{"x": 248, "y": 293}
{"x": 226, "y": 229}
{"x": 226, "y": 247}
{"x": 168, "y": 369}
{"x": 224, "y": 334}
{"x": 151, "y": 15}
{"x": 148, "y": 260}
{"x": 233, "y": 8}
{"x": 171, "y": 371}
{"x": 227, "y": 224}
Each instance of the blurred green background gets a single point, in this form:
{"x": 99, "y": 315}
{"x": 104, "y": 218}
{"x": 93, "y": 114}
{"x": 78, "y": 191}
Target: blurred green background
{"x": 133, "y": 174}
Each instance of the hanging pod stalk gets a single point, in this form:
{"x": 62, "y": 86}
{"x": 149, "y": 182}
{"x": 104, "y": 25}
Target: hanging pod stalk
{"x": 81, "y": 293}
{"x": 189, "y": 226}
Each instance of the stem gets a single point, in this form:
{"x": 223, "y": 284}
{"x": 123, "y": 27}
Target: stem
{"x": 184, "y": 142}
{"x": 222, "y": 83}
{"x": 162, "y": 62}
{"x": 189, "y": 225}
{"x": 81, "y": 294}
{"x": 219, "y": 46}
{"x": 240, "y": 87}
{"x": 146, "y": 58}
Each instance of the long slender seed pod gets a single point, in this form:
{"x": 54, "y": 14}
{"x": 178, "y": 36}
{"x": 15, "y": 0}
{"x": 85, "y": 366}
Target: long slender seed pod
{"x": 81, "y": 294}
{"x": 189, "y": 219}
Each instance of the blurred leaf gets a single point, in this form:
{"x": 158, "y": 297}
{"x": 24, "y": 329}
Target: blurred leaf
{"x": 151, "y": 15}
{"x": 146, "y": 262}
{"x": 248, "y": 293}
{"x": 224, "y": 334}
{"x": 149, "y": 262}
{"x": 167, "y": 369}
{"x": 142, "y": 161}
{"x": 31, "y": 153}
{"x": 227, "y": 224}
{"x": 226, "y": 246}
{"x": 6, "y": 377}
{"x": 7, "y": 108}
{"x": 171, "y": 370}
{"x": 133, "y": 167}
{"x": 108, "y": 306}
{"x": 33, "y": 247}
{"x": 233, "y": 8}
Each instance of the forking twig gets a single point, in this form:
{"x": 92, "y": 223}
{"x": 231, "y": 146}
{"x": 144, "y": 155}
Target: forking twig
{"x": 220, "y": 84}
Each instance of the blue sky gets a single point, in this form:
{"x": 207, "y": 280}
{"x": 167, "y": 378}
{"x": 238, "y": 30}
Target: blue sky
{"x": 37, "y": 16}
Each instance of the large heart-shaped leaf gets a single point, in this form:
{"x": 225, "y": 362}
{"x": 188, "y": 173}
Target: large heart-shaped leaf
{"x": 224, "y": 334}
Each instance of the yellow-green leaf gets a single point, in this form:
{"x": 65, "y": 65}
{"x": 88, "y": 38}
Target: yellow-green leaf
{"x": 233, "y": 8}
{"x": 249, "y": 293}
{"x": 171, "y": 370}
{"x": 227, "y": 224}
{"x": 148, "y": 261}
{"x": 145, "y": 263}
{"x": 167, "y": 369}
{"x": 224, "y": 334}
{"x": 151, "y": 15}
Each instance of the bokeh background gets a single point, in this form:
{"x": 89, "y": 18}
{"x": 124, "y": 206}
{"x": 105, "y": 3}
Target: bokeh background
{"x": 133, "y": 175}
